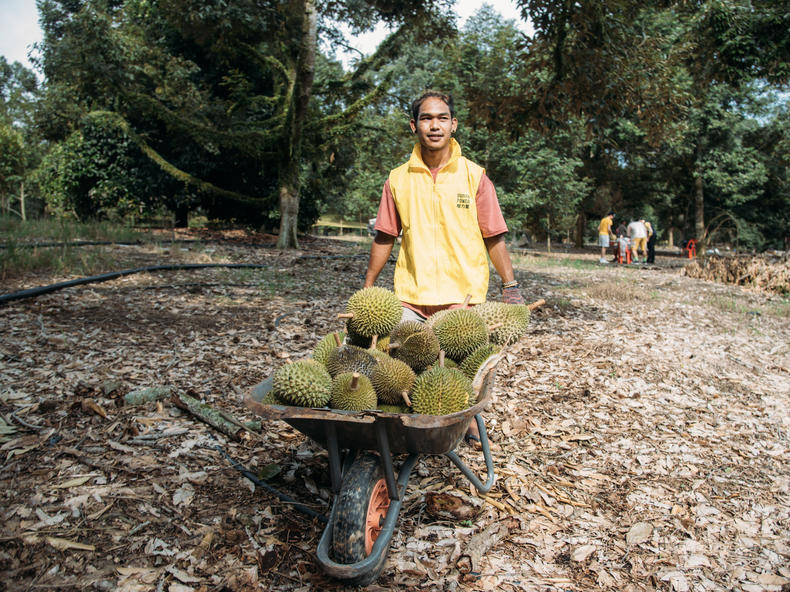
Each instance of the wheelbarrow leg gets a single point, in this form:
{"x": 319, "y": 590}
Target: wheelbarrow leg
{"x": 386, "y": 461}
{"x": 490, "y": 476}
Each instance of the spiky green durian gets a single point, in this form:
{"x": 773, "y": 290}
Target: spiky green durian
{"x": 379, "y": 355}
{"x": 460, "y": 332}
{"x": 415, "y": 344}
{"x": 271, "y": 399}
{"x": 326, "y": 345}
{"x": 352, "y": 391}
{"x": 510, "y": 321}
{"x": 391, "y": 378}
{"x": 436, "y": 317}
{"x": 393, "y": 408}
{"x": 448, "y": 363}
{"x": 440, "y": 391}
{"x": 473, "y": 361}
{"x": 355, "y": 338}
{"x": 383, "y": 344}
{"x": 305, "y": 383}
{"x": 375, "y": 311}
{"x": 350, "y": 358}
{"x": 405, "y": 328}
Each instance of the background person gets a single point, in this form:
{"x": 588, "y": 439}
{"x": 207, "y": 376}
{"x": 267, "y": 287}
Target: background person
{"x": 638, "y": 235}
{"x": 604, "y": 234}
{"x": 651, "y": 243}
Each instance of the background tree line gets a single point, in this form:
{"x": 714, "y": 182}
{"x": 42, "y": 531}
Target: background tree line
{"x": 673, "y": 110}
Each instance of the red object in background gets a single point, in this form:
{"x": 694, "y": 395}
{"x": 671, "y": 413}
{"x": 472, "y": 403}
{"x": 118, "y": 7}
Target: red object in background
{"x": 690, "y": 250}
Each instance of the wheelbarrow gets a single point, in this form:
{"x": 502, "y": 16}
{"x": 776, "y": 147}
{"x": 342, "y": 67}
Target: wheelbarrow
{"x": 368, "y": 496}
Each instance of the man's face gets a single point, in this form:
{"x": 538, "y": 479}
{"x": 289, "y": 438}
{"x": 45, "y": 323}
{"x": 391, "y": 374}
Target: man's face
{"x": 434, "y": 125}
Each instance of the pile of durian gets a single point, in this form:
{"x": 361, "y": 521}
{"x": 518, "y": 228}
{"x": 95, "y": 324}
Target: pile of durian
{"x": 381, "y": 363}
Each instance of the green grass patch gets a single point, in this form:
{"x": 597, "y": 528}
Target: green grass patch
{"x": 63, "y": 260}
{"x": 16, "y": 258}
{"x": 550, "y": 261}
{"x": 779, "y": 308}
{"x": 51, "y": 230}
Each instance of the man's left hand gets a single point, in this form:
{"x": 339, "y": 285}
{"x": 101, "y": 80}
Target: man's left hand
{"x": 512, "y": 295}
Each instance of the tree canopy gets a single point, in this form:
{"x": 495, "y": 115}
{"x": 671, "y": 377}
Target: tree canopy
{"x": 672, "y": 110}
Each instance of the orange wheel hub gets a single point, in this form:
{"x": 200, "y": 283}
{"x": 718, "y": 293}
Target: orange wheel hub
{"x": 377, "y": 510}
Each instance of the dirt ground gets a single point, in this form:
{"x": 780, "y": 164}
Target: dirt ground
{"x": 640, "y": 433}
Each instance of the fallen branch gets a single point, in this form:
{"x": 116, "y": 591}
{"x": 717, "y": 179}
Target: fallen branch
{"x": 213, "y": 417}
{"x": 479, "y": 545}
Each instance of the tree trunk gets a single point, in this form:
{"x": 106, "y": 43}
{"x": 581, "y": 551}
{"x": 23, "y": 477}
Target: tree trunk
{"x": 182, "y": 216}
{"x": 581, "y": 222}
{"x": 303, "y": 88}
{"x": 699, "y": 209}
{"x": 289, "y": 215}
{"x": 22, "y": 202}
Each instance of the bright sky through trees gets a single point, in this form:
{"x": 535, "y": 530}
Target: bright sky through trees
{"x": 19, "y": 27}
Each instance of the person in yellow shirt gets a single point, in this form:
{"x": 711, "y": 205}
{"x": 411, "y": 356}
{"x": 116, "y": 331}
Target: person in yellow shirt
{"x": 605, "y": 234}
{"x": 447, "y": 209}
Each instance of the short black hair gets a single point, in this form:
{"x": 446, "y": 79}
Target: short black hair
{"x": 428, "y": 94}
{"x": 611, "y": 213}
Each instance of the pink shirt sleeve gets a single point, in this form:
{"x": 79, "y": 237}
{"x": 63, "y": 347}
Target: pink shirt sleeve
{"x": 489, "y": 215}
{"x": 387, "y": 219}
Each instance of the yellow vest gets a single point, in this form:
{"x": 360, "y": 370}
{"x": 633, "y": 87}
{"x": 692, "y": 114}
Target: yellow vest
{"x": 442, "y": 257}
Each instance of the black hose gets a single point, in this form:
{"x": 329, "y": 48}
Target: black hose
{"x": 86, "y": 243}
{"x": 32, "y": 292}
{"x": 281, "y": 496}
{"x": 94, "y": 279}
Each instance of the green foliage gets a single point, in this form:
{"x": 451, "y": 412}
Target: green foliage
{"x": 97, "y": 172}
{"x": 12, "y": 158}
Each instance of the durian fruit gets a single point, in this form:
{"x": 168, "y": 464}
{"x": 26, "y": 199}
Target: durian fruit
{"x": 271, "y": 399}
{"x": 440, "y": 391}
{"x": 460, "y": 332}
{"x": 375, "y": 311}
{"x": 378, "y": 354}
{"x": 352, "y": 391}
{"x": 436, "y": 317}
{"x": 350, "y": 358}
{"x": 305, "y": 383}
{"x": 403, "y": 329}
{"x": 383, "y": 344}
{"x": 473, "y": 361}
{"x": 508, "y": 321}
{"x": 355, "y": 338}
{"x": 415, "y": 344}
{"x": 391, "y": 378}
{"x": 447, "y": 362}
{"x": 393, "y": 408}
{"x": 326, "y": 345}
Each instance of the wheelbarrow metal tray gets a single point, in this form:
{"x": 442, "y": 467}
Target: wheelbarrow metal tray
{"x": 407, "y": 433}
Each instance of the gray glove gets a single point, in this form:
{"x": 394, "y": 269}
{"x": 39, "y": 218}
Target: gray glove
{"x": 512, "y": 295}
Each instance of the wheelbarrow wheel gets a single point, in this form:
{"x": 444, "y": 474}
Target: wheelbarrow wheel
{"x": 360, "y": 509}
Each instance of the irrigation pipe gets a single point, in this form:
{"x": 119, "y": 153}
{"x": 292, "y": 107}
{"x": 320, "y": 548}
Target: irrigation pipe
{"x": 95, "y": 279}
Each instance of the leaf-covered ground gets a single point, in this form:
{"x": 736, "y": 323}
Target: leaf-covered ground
{"x": 640, "y": 432}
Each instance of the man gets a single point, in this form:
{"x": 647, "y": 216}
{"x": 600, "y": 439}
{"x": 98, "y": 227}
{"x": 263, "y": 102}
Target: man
{"x": 448, "y": 211}
{"x": 604, "y": 234}
{"x": 638, "y": 235}
{"x": 651, "y": 243}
